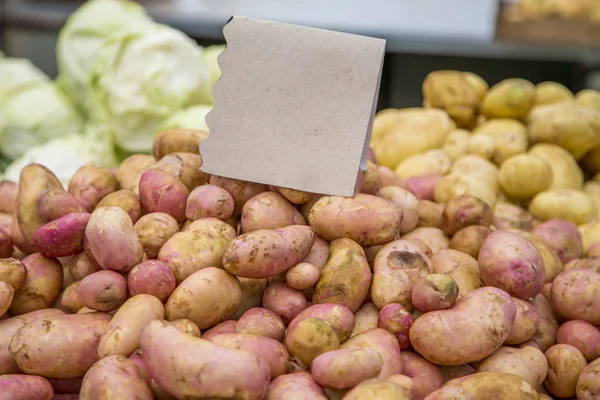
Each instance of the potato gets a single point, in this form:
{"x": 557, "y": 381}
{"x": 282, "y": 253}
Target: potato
{"x": 261, "y": 322}
{"x": 131, "y": 168}
{"x": 525, "y": 175}
{"x": 565, "y": 363}
{"x": 464, "y": 211}
{"x": 551, "y": 92}
{"x": 13, "y": 272}
{"x": 397, "y": 267}
{"x": 70, "y": 298}
{"x": 469, "y": 239}
{"x": 252, "y": 294}
{"x": 40, "y": 348}
{"x": 435, "y": 292}
{"x": 114, "y": 377}
{"x": 589, "y": 98}
{"x": 6, "y": 245}
{"x": 455, "y": 185}
{"x": 62, "y": 237}
{"x": 407, "y": 202}
{"x": 25, "y": 387}
{"x": 588, "y": 386}
{"x": 406, "y": 383}
{"x": 338, "y": 316}
{"x": 298, "y": 386}
{"x": 426, "y": 376}
{"x": 302, "y": 276}
{"x": 90, "y": 184}
{"x": 525, "y": 325}
{"x": 42, "y": 286}
{"x": 346, "y": 368}
{"x": 365, "y": 318}
{"x": 80, "y": 266}
{"x": 6, "y": 296}
{"x": 508, "y": 216}
{"x": 209, "y": 201}
{"x": 435, "y": 238}
{"x": 471, "y": 319}
{"x": 271, "y": 351}
{"x": 463, "y": 268}
{"x": 512, "y": 263}
{"x": 500, "y": 385}
{"x": 55, "y": 202}
{"x": 482, "y": 146}
{"x": 382, "y": 342}
{"x": 151, "y": 277}
{"x": 160, "y": 192}
{"x": 430, "y": 214}
{"x": 397, "y": 320}
{"x": 375, "y": 388}
{"x": 103, "y": 290}
{"x": 284, "y": 301}
{"x": 574, "y": 295}
{"x": 456, "y": 143}
{"x": 450, "y": 392}
{"x": 178, "y": 140}
{"x": 224, "y": 327}
{"x": 269, "y": 210}
{"x": 562, "y": 237}
{"x": 366, "y": 219}
{"x": 388, "y": 177}
{"x": 186, "y": 326}
{"x": 432, "y": 162}
{"x": 125, "y": 199}
{"x": 511, "y": 98}
{"x": 452, "y": 92}
{"x": 548, "y": 326}
{"x": 581, "y": 335}
{"x": 369, "y": 183}
{"x": 241, "y": 191}
{"x": 527, "y": 362}
{"x": 566, "y": 174}
{"x": 33, "y": 181}
{"x": 9, "y": 191}
{"x": 423, "y": 186}
{"x": 283, "y": 248}
{"x": 154, "y": 230}
{"x": 206, "y": 297}
{"x": 185, "y": 167}
{"x": 310, "y": 338}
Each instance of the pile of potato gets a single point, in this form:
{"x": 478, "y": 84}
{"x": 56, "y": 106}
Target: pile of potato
{"x": 467, "y": 266}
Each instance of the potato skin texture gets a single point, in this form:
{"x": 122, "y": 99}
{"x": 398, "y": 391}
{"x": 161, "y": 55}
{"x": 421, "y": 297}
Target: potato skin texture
{"x": 209, "y": 201}
{"x": 575, "y": 295}
{"x": 588, "y": 385}
{"x": 125, "y": 199}
{"x": 160, "y": 192}
{"x": 572, "y": 205}
{"x": 131, "y": 168}
{"x": 62, "y": 237}
{"x": 464, "y": 211}
{"x": 346, "y": 368}
{"x": 382, "y": 342}
{"x": 90, "y": 184}
{"x": 582, "y": 335}
{"x": 527, "y": 362}
{"x": 241, "y": 191}
{"x": 103, "y": 290}
{"x": 151, "y": 277}
{"x": 480, "y": 323}
{"x": 42, "y": 286}
{"x": 426, "y": 376}
{"x": 298, "y": 385}
{"x": 261, "y": 322}
{"x": 338, "y": 316}
{"x": 366, "y": 219}
{"x": 55, "y": 203}
{"x": 526, "y": 323}
{"x": 269, "y": 210}
{"x": 178, "y": 140}
{"x": 510, "y": 98}
{"x": 154, "y": 230}
{"x": 225, "y": 372}
{"x": 545, "y": 336}
{"x": 13, "y": 272}
{"x": 487, "y": 385}
{"x": 310, "y": 338}
{"x": 25, "y": 387}
{"x": 565, "y": 364}
{"x": 115, "y": 377}
{"x": 562, "y": 237}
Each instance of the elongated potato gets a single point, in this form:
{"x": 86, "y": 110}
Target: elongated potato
{"x": 269, "y": 210}
{"x": 568, "y": 204}
{"x": 526, "y": 323}
{"x": 55, "y": 202}
{"x": 565, "y": 363}
{"x": 39, "y": 347}
{"x": 474, "y": 328}
{"x": 581, "y": 335}
{"x": 366, "y": 219}
{"x": 384, "y": 343}
{"x": 501, "y": 384}
{"x": 261, "y": 322}
{"x": 346, "y": 368}
{"x": 575, "y": 295}
{"x": 154, "y": 230}
{"x": 103, "y": 290}
{"x": 25, "y": 387}
{"x": 207, "y": 371}
{"x": 13, "y": 272}
{"x": 206, "y": 298}
{"x": 375, "y": 388}
{"x": 42, "y": 285}
{"x": 115, "y": 377}
{"x": 527, "y": 362}
{"x": 298, "y": 386}
{"x": 62, "y": 237}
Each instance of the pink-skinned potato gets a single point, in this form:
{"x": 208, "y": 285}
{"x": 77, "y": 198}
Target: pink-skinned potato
{"x": 207, "y": 371}
{"x": 25, "y": 387}
{"x": 366, "y": 219}
{"x": 562, "y": 237}
{"x": 582, "y": 335}
{"x": 270, "y": 351}
{"x": 115, "y": 377}
{"x": 125, "y": 199}
{"x": 435, "y": 238}
{"x": 112, "y": 228}
{"x": 40, "y": 348}
{"x": 261, "y": 322}
{"x": 527, "y": 362}
{"x": 588, "y": 384}
{"x": 252, "y": 294}
{"x": 408, "y": 203}
{"x": 379, "y": 389}
{"x": 472, "y": 329}
{"x": 384, "y": 343}
{"x": 206, "y": 298}
{"x": 388, "y": 177}
{"x": 42, "y": 286}
{"x": 6, "y": 246}
{"x": 185, "y": 167}
{"x": 423, "y": 186}
{"x": 225, "y": 327}
{"x": 425, "y": 375}
{"x": 9, "y": 191}
{"x": 435, "y": 292}
{"x": 161, "y": 192}
{"x": 241, "y": 191}
{"x": 338, "y": 316}
{"x": 512, "y": 216}
{"x": 526, "y": 323}
{"x": 269, "y": 210}
{"x": 397, "y": 267}
{"x": 346, "y": 277}
{"x": 484, "y": 385}
{"x": 319, "y": 253}
{"x": 346, "y": 368}
{"x": 13, "y": 272}
{"x": 103, "y": 291}
{"x": 464, "y": 211}
{"x": 310, "y": 338}
{"x": 284, "y": 301}
{"x": 80, "y": 266}
{"x": 297, "y": 386}
{"x": 151, "y": 277}
{"x": 6, "y": 296}
{"x": 6, "y": 222}
{"x": 90, "y": 184}
{"x": 552, "y": 263}
{"x": 575, "y": 295}
{"x": 450, "y": 392}
{"x": 512, "y": 263}
{"x": 397, "y": 320}
{"x": 209, "y": 201}
{"x": 192, "y": 250}
{"x": 62, "y": 237}
{"x": 266, "y": 253}
{"x": 565, "y": 364}
{"x": 55, "y": 203}
{"x": 18, "y": 239}
{"x": 154, "y": 230}
{"x": 548, "y": 325}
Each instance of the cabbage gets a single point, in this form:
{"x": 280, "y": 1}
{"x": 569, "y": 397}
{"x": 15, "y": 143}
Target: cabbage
{"x": 82, "y": 36}
{"x": 142, "y": 79}
{"x": 209, "y": 56}
{"x": 66, "y": 154}
{"x": 188, "y": 118}
{"x": 17, "y": 74}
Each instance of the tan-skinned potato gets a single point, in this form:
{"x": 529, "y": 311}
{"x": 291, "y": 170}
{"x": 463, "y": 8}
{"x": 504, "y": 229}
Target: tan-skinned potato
{"x": 504, "y": 385}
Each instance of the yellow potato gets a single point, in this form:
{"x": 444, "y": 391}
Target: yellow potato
{"x": 496, "y": 385}
{"x": 592, "y": 188}
{"x": 590, "y": 234}
{"x": 456, "y": 143}
{"x": 511, "y": 98}
{"x": 572, "y": 205}
{"x": 524, "y": 175}
{"x": 383, "y": 121}
{"x": 551, "y": 92}
{"x": 430, "y": 162}
{"x": 480, "y": 85}
{"x": 510, "y": 137}
{"x": 456, "y": 185}
{"x": 527, "y": 362}
{"x": 588, "y": 98}
{"x": 566, "y": 173}
{"x": 482, "y": 146}
{"x": 477, "y": 167}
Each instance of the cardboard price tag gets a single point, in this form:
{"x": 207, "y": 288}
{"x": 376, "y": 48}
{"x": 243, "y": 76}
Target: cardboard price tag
{"x": 294, "y": 106}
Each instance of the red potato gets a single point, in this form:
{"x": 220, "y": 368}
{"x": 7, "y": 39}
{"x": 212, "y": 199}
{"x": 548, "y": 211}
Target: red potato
{"x": 527, "y": 362}
{"x": 366, "y": 219}
{"x": 423, "y": 186}
{"x": 397, "y": 267}
{"x": 434, "y": 292}
{"x": 408, "y": 203}
{"x": 302, "y": 276}
{"x": 80, "y": 266}
{"x": 160, "y": 192}
{"x": 252, "y": 294}
{"x": 575, "y": 295}
{"x": 261, "y": 322}
{"x": 375, "y": 388}
{"x": 207, "y": 371}
{"x": 426, "y": 376}
{"x": 581, "y": 335}
{"x": 151, "y": 277}
{"x": 552, "y": 264}
{"x": 346, "y": 368}
{"x": 284, "y": 301}
{"x": 266, "y": 253}
{"x": 137, "y": 357}
{"x": 298, "y": 386}
{"x": 241, "y": 191}
{"x": 562, "y": 237}
{"x": 319, "y": 253}
{"x": 310, "y": 338}
{"x": 91, "y": 184}
{"x": 62, "y": 237}
{"x": 114, "y": 377}
{"x": 525, "y": 325}
{"x": 70, "y": 298}
{"x": 472, "y": 329}
{"x": 435, "y": 238}
{"x": 338, "y": 316}
{"x": 6, "y": 296}
{"x": 55, "y": 203}
{"x": 588, "y": 385}
{"x": 42, "y": 285}
{"x": 206, "y": 298}
{"x": 190, "y": 251}
{"x": 125, "y": 199}
{"x": 269, "y": 210}
{"x": 511, "y": 216}
{"x": 39, "y": 347}
{"x": 186, "y": 326}
{"x": 548, "y": 326}
{"x": 209, "y": 201}
{"x": 382, "y": 342}
{"x": 512, "y": 263}
{"x": 13, "y": 272}
{"x": 450, "y": 392}
{"x": 154, "y": 230}
{"x": 346, "y": 277}
{"x": 103, "y": 291}
{"x": 9, "y": 191}
{"x": 111, "y": 228}
{"x": 397, "y": 320}
{"x": 6, "y": 245}
{"x": 224, "y": 327}
{"x": 565, "y": 364}
{"x": 131, "y": 168}
{"x": 25, "y": 387}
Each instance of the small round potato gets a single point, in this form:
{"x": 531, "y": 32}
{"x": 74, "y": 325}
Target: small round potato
{"x": 464, "y": 211}
{"x": 103, "y": 290}
{"x": 397, "y": 320}
{"x": 525, "y": 175}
